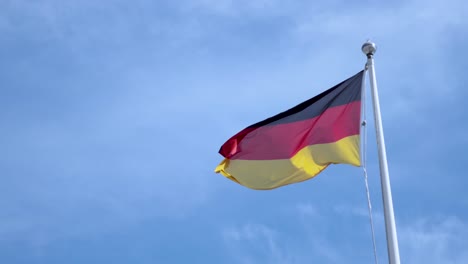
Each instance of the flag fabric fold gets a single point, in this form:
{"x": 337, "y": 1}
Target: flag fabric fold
{"x": 297, "y": 144}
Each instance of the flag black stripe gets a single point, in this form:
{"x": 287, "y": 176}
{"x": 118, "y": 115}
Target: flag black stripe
{"x": 343, "y": 93}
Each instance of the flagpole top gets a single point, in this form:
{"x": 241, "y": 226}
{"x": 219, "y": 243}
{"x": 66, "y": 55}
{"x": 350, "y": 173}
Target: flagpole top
{"x": 369, "y": 48}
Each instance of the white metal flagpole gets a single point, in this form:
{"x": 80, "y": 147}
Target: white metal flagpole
{"x": 369, "y": 49}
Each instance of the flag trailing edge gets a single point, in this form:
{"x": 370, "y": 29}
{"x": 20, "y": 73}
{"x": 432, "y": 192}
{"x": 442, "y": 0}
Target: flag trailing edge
{"x": 299, "y": 143}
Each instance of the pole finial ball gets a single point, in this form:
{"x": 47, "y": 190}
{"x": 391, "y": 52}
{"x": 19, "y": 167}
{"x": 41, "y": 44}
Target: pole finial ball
{"x": 369, "y": 48}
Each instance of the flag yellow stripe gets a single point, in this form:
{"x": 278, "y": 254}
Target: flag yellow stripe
{"x": 307, "y": 163}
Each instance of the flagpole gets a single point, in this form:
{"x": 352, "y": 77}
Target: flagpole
{"x": 369, "y": 49}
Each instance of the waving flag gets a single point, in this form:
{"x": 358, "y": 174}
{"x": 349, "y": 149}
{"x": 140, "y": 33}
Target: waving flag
{"x": 299, "y": 143}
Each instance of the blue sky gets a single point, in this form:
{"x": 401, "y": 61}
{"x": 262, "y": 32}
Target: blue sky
{"x": 112, "y": 113}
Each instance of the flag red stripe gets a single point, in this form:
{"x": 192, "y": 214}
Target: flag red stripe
{"x": 283, "y": 141}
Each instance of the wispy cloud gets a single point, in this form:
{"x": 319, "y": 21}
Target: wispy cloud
{"x": 307, "y": 210}
{"x": 234, "y": 8}
{"x": 254, "y": 243}
{"x": 94, "y": 149}
{"x": 350, "y": 210}
{"x": 435, "y": 240}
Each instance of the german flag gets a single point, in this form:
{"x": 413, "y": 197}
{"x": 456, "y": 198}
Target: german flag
{"x": 299, "y": 143}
